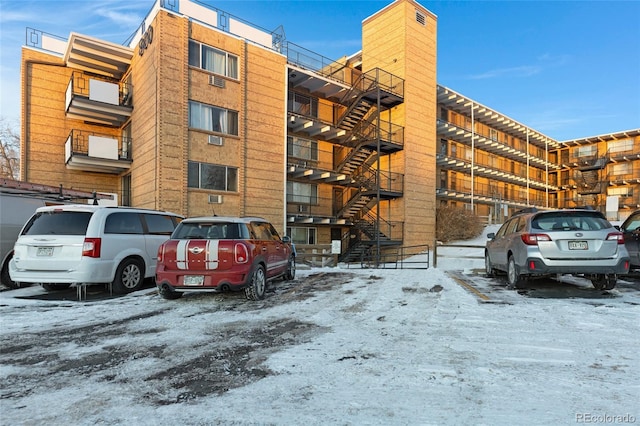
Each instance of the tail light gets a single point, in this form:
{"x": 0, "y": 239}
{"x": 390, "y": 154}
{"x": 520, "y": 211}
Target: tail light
{"x": 241, "y": 253}
{"x": 161, "y": 253}
{"x": 616, "y": 236}
{"x": 91, "y": 247}
{"x": 532, "y": 239}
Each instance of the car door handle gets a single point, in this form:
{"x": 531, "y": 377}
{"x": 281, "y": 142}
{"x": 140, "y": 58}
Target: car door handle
{"x": 264, "y": 249}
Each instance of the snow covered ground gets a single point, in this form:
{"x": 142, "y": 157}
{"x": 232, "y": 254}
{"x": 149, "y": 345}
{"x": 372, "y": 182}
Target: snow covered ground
{"x": 338, "y": 346}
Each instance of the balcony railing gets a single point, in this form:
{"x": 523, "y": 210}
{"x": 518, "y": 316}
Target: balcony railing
{"x": 306, "y": 59}
{"x": 98, "y": 100}
{"x": 90, "y": 151}
{"x": 489, "y": 193}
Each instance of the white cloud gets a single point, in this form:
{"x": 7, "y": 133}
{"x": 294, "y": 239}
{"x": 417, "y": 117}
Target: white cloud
{"x": 521, "y": 71}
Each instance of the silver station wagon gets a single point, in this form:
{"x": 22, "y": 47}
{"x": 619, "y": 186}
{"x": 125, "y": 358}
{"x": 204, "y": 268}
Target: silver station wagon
{"x": 535, "y": 243}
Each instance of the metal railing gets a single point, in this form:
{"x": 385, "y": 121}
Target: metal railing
{"x": 80, "y": 86}
{"x": 80, "y": 143}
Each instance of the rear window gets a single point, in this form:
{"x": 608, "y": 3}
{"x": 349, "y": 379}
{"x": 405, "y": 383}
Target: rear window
{"x": 210, "y": 231}
{"x": 58, "y": 223}
{"x": 570, "y": 221}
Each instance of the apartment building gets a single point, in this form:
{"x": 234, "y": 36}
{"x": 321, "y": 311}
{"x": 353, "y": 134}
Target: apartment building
{"x": 601, "y": 171}
{"x": 494, "y": 165}
{"x": 490, "y": 163}
{"x": 203, "y": 113}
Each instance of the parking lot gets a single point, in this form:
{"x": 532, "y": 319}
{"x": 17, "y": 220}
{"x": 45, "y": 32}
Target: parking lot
{"x": 333, "y": 346}
{"x": 495, "y": 290}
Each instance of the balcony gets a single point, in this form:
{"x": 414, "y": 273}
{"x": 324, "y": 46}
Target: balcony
{"x": 99, "y": 101}
{"x": 84, "y": 52}
{"x": 91, "y": 152}
{"x": 453, "y": 132}
{"x": 491, "y": 171}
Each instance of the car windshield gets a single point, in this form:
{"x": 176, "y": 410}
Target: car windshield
{"x": 58, "y": 223}
{"x": 570, "y": 221}
{"x": 209, "y": 231}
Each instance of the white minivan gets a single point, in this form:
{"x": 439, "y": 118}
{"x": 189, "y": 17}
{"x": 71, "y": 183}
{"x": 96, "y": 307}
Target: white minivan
{"x": 82, "y": 244}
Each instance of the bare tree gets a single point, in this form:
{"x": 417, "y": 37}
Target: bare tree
{"x": 9, "y": 148}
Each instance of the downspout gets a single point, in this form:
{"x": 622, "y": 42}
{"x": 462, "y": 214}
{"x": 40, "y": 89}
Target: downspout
{"x": 245, "y": 128}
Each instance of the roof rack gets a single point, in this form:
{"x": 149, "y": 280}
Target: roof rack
{"x": 525, "y": 210}
{"x": 17, "y": 187}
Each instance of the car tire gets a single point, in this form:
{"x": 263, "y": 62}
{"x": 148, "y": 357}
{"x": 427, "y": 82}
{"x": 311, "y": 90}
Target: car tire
{"x": 55, "y": 287}
{"x": 129, "y": 276}
{"x": 166, "y": 293}
{"x": 488, "y": 266}
{"x": 514, "y": 278}
{"x": 603, "y": 282}
{"x": 290, "y": 274}
{"x": 5, "y": 278}
{"x": 258, "y": 284}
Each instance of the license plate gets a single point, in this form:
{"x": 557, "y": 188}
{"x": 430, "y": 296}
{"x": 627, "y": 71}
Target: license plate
{"x": 578, "y": 245}
{"x": 44, "y": 251}
{"x": 193, "y": 280}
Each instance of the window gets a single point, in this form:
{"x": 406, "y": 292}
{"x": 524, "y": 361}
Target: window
{"x": 303, "y": 193}
{"x": 302, "y": 104}
{"x": 123, "y": 223}
{"x": 58, "y": 223}
{"x": 302, "y": 148}
{"x": 213, "y": 119}
{"x": 302, "y": 235}
{"x": 620, "y": 145}
{"x": 159, "y": 224}
{"x": 211, "y": 176}
{"x": 621, "y": 169}
{"x": 125, "y": 149}
{"x": 126, "y": 190}
{"x": 623, "y": 191}
{"x": 214, "y": 60}
{"x": 586, "y": 151}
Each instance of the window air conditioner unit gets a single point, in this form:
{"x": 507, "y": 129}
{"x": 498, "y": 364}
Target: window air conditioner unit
{"x": 214, "y": 80}
{"x": 303, "y": 209}
{"x": 215, "y": 199}
{"x": 215, "y": 140}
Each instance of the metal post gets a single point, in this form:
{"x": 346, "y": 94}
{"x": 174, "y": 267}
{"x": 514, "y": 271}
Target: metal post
{"x": 472, "y": 156}
{"x": 378, "y": 172}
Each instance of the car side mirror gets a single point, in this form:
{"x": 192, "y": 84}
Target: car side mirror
{"x": 286, "y": 239}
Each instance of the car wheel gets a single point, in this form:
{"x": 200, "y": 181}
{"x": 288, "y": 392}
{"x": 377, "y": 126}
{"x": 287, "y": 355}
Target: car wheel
{"x": 5, "y": 278}
{"x": 291, "y": 269}
{"x": 168, "y": 294}
{"x": 604, "y": 282}
{"x": 488, "y": 266}
{"x": 258, "y": 284}
{"x": 129, "y": 276}
{"x": 55, "y": 287}
{"x": 513, "y": 274}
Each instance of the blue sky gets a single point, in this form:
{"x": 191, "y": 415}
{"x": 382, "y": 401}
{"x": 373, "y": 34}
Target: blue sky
{"x": 568, "y": 69}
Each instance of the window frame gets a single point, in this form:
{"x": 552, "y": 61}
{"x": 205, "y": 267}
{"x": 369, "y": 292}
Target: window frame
{"x": 231, "y": 183}
{"x": 231, "y": 61}
{"x": 205, "y": 113}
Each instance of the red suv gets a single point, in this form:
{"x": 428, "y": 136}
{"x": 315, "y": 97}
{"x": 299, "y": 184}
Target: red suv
{"x": 216, "y": 254}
